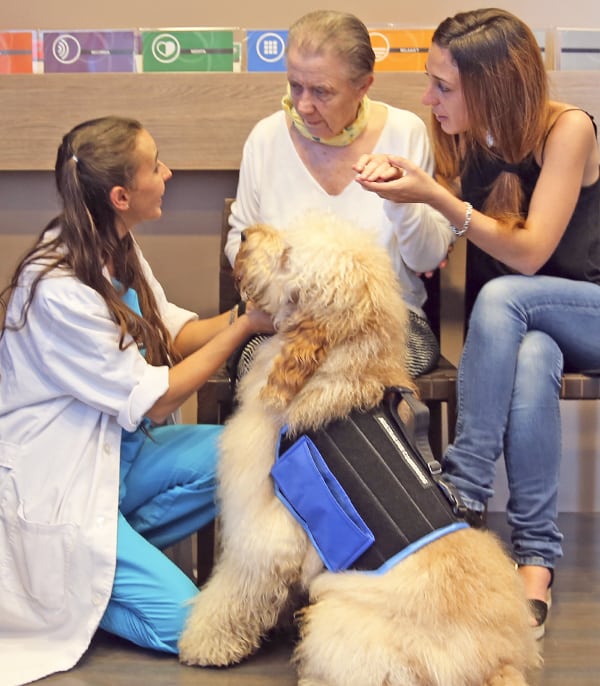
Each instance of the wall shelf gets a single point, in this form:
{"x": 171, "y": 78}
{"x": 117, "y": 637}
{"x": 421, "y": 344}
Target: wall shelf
{"x": 200, "y": 121}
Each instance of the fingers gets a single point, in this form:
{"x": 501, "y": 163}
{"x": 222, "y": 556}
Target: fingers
{"x": 261, "y": 321}
{"x": 380, "y": 188}
{"x": 379, "y": 168}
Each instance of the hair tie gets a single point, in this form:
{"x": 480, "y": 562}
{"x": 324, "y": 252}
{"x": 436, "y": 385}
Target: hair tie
{"x": 510, "y": 168}
{"x": 75, "y": 158}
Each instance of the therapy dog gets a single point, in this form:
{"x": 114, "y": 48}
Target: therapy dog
{"x": 454, "y": 613}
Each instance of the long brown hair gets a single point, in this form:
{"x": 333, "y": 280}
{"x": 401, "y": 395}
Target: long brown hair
{"x": 93, "y": 158}
{"x": 505, "y": 88}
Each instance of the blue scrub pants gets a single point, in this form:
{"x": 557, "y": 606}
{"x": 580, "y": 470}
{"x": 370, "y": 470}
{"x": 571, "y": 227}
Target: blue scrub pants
{"x": 168, "y": 483}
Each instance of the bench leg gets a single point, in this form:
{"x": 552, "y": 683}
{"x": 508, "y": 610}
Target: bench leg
{"x": 205, "y": 552}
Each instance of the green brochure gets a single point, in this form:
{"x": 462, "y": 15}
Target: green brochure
{"x": 188, "y": 50}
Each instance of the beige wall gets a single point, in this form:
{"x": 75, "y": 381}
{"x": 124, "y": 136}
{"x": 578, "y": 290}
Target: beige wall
{"x": 183, "y": 245}
{"x": 64, "y": 14}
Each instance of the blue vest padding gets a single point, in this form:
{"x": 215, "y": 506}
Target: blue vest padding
{"x": 364, "y": 489}
{"x": 315, "y": 498}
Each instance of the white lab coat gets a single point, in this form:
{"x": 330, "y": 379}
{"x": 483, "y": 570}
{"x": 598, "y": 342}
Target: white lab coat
{"x": 66, "y": 391}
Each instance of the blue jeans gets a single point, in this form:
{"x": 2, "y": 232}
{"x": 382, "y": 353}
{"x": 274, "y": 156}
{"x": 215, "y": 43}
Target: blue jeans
{"x": 521, "y": 329}
{"x": 168, "y": 484}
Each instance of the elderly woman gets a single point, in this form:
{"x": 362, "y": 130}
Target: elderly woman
{"x": 300, "y": 158}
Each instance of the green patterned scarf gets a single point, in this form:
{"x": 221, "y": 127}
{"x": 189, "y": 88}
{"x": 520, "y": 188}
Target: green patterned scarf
{"x": 350, "y": 132}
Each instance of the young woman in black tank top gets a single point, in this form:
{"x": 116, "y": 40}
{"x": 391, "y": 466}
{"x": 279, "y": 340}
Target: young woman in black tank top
{"x": 518, "y": 176}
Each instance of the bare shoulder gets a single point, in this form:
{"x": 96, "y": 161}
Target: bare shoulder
{"x": 566, "y": 117}
{"x": 572, "y": 136}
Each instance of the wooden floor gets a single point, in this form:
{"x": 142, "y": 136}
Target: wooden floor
{"x": 571, "y": 648}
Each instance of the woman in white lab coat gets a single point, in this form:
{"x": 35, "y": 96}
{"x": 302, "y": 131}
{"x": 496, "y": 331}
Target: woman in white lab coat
{"x": 94, "y": 479}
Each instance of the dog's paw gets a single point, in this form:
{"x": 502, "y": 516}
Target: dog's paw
{"x": 216, "y": 649}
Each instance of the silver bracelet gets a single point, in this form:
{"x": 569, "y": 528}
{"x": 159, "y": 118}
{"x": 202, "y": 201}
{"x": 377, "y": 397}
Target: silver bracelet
{"x": 233, "y": 314}
{"x": 465, "y": 226}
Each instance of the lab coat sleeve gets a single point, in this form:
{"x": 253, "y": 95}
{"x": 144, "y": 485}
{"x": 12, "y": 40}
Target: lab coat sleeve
{"x": 75, "y": 342}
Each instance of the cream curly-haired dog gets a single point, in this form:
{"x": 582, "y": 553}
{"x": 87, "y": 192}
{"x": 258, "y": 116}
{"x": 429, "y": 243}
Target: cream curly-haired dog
{"x": 452, "y": 614}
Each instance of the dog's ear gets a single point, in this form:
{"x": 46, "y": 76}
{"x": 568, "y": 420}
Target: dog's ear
{"x": 260, "y": 266}
{"x": 303, "y": 350}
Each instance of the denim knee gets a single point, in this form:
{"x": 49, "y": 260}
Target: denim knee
{"x": 539, "y": 370}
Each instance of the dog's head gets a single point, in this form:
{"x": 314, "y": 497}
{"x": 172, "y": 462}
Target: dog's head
{"x": 324, "y": 281}
{"x": 262, "y": 260}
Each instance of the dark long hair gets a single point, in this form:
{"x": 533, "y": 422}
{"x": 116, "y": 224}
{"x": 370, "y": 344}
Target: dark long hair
{"x": 505, "y": 88}
{"x": 93, "y": 158}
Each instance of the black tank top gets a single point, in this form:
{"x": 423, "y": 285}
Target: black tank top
{"x": 577, "y": 255}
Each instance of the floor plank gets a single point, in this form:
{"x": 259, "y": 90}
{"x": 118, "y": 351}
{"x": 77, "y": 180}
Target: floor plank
{"x": 571, "y": 648}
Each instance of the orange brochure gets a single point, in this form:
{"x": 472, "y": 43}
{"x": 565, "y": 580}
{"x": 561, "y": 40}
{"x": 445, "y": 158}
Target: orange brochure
{"x": 16, "y": 52}
{"x": 400, "y": 49}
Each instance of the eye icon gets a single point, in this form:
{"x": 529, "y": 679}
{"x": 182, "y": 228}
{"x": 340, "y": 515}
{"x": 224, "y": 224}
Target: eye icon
{"x": 66, "y": 48}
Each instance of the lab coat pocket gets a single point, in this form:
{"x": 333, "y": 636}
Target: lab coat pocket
{"x": 34, "y": 556}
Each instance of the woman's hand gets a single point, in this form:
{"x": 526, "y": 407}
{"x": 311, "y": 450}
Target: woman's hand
{"x": 206, "y": 345}
{"x": 378, "y": 167}
{"x": 395, "y": 178}
{"x": 260, "y": 321}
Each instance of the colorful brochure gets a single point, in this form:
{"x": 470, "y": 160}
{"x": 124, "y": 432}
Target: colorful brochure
{"x": 265, "y": 50}
{"x": 89, "y": 51}
{"x": 17, "y": 52}
{"x": 189, "y": 50}
{"x": 400, "y": 49}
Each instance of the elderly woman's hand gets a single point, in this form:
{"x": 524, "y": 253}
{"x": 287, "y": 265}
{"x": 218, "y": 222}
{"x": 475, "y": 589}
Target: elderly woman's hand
{"x": 395, "y": 178}
{"x": 377, "y": 168}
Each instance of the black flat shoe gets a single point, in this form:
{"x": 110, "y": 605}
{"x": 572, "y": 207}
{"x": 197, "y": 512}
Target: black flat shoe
{"x": 476, "y": 518}
{"x": 539, "y": 610}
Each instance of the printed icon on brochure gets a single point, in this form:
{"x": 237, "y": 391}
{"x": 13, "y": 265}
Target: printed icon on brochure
{"x": 187, "y": 50}
{"x": 380, "y": 44}
{"x": 400, "y": 49}
{"x": 270, "y": 47}
{"x": 66, "y": 49}
{"x": 88, "y": 51}
{"x": 166, "y": 48}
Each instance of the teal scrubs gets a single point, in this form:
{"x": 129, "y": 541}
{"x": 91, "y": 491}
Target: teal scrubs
{"x": 167, "y": 492}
